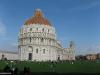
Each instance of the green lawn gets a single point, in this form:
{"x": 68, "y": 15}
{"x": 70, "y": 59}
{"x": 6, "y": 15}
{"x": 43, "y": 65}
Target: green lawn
{"x": 65, "y": 67}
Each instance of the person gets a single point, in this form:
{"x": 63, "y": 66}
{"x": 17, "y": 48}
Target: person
{"x": 6, "y": 69}
{"x": 52, "y": 67}
{"x": 27, "y": 71}
{"x": 16, "y": 71}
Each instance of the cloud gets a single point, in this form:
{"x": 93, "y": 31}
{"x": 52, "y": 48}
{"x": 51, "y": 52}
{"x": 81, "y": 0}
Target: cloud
{"x": 85, "y": 6}
{"x": 2, "y": 29}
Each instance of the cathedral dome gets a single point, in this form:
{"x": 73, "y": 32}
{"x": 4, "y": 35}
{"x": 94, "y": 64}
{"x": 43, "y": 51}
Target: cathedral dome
{"x": 38, "y": 18}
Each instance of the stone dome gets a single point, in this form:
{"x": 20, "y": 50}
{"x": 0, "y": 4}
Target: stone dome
{"x": 38, "y": 18}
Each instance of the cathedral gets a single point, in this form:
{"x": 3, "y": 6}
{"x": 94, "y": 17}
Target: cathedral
{"x": 37, "y": 41}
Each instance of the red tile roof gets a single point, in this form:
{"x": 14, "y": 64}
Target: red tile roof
{"x": 38, "y": 19}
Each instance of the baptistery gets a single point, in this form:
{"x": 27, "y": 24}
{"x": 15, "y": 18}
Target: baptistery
{"x": 37, "y": 41}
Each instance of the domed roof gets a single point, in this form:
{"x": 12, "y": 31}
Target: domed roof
{"x": 38, "y": 18}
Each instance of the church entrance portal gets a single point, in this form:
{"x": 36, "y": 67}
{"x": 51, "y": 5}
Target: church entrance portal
{"x": 30, "y": 56}
{"x": 58, "y": 57}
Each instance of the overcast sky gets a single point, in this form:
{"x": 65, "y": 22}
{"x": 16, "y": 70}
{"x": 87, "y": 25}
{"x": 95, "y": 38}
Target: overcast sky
{"x": 76, "y": 20}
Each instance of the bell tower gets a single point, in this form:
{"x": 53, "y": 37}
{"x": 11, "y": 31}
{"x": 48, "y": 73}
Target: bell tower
{"x": 72, "y": 44}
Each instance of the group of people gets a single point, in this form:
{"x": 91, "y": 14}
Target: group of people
{"x": 15, "y": 71}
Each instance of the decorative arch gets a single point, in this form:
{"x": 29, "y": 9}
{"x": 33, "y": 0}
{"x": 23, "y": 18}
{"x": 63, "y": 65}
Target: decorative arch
{"x": 30, "y": 48}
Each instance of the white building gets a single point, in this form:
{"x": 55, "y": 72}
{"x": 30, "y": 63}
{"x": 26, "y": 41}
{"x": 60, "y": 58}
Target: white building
{"x": 7, "y": 55}
{"x": 37, "y": 41}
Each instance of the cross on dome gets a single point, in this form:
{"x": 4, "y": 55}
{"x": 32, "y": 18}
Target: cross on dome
{"x": 38, "y": 13}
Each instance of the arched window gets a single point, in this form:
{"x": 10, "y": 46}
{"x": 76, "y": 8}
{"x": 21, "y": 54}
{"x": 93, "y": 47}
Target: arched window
{"x": 37, "y": 29}
{"x": 43, "y": 30}
{"x": 30, "y": 29}
{"x": 49, "y": 40}
{"x": 43, "y": 51}
{"x": 41, "y": 39}
{"x": 48, "y": 30}
{"x": 30, "y": 39}
{"x": 36, "y": 50}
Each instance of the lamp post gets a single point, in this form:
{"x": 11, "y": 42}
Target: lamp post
{"x": 11, "y": 64}
{"x": 12, "y": 68}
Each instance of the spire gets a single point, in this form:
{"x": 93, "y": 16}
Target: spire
{"x": 38, "y": 13}
{"x": 71, "y": 45}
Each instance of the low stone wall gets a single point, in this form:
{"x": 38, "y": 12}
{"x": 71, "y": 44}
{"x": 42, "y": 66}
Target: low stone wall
{"x": 8, "y": 55}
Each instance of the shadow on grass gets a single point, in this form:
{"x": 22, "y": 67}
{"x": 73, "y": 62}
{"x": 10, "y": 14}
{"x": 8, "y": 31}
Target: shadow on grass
{"x": 54, "y": 73}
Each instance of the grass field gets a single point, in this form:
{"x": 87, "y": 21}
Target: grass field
{"x": 65, "y": 67}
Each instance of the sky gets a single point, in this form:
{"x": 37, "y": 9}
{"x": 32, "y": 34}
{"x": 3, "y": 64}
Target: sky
{"x": 74, "y": 20}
